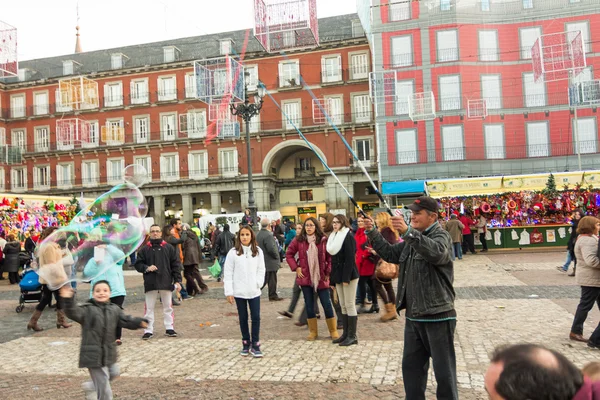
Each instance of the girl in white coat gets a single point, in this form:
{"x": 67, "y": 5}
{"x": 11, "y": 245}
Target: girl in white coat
{"x": 244, "y": 275}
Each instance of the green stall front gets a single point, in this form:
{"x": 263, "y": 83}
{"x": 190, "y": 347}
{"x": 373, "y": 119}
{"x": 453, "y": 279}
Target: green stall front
{"x": 521, "y": 237}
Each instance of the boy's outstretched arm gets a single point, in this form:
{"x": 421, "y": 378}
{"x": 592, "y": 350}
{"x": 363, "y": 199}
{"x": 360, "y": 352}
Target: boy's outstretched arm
{"x": 129, "y": 322}
{"x": 66, "y": 298}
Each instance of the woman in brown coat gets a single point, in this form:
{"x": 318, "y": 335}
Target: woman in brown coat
{"x": 191, "y": 260}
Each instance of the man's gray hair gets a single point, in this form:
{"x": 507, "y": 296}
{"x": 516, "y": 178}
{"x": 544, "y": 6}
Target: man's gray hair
{"x": 265, "y": 222}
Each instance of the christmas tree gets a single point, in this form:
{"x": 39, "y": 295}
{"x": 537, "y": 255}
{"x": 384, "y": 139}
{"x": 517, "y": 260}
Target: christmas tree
{"x": 550, "y": 191}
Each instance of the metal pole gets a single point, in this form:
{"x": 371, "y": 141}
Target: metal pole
{"x": 251, "y": 203}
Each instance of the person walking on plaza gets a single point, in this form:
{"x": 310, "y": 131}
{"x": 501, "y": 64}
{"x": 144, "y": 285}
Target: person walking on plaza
{"x": 365, "y": 262}
{"x": 268, "y": 244}
{"x": 191, "y": 261}
{"x": 291, "y": 234}
{"x": 455, "y": 228}
{"x": 576, "y": 217}
{"x": 384, "y": 287}
{"x": 12, "y": 248}
{"x": 176, "y": 236}
{"x": 588, "y": 277}
{"x": 99, "y": 319}
{"x": 426, "y": 292}
{"x": 307, "y": 255}
{"x": 223, "y": 244}
{"x": 481, "y": 231}
{"x": 344, "y": 275}
{"x": 243, "y": 278}
{"x": 326, "y": 224}
{"x": 468, "y": 243}
{"x": 161, "y": 266}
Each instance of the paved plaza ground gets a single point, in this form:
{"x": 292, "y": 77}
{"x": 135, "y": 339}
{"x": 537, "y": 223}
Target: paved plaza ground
{"x": 501, "y": 298}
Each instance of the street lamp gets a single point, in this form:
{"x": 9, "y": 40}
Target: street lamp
{"x": 246, "y": 111}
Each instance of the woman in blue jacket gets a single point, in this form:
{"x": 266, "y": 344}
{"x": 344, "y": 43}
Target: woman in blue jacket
{"x": 290, "y": 235}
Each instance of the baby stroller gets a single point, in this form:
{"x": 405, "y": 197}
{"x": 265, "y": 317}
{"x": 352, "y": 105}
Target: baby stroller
{"x": 205, "y": 245}
{"x": 31, "y": 289}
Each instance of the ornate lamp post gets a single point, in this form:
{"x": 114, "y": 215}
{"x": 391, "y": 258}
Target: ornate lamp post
{"x": 246, "y": 111}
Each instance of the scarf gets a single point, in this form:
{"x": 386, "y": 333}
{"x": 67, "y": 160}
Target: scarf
{"x": 336, "y": 240}
{"x": 313, "y": 261}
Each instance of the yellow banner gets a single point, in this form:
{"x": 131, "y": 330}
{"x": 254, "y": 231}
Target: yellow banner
{"x": 464, "y": 187}
{"x": 592, "y": 178}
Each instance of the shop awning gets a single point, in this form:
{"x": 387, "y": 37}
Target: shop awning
{"x": 403, "y": 188}
{"x": 465, "y": 187}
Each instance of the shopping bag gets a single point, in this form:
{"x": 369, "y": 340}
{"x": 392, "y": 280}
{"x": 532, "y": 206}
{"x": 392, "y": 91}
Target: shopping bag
{"x": 215, "y": 270}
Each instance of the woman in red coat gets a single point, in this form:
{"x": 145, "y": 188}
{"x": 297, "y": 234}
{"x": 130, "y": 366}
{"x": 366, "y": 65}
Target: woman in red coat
{"x": 365, "y": 262}
{"x": 313, "y": 267}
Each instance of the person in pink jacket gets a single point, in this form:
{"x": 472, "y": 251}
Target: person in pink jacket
{"x": 365, "y": 262}
{"x": 313, "y": 267}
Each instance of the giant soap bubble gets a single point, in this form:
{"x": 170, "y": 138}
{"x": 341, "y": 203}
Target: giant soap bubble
{"x": 100, "y": 237}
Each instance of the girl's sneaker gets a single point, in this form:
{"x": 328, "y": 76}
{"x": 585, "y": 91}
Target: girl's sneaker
{"x": 245, "y": 349}
{"x": 255, "y": 351}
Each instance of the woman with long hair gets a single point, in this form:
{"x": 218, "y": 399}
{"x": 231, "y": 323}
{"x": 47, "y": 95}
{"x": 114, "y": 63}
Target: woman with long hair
{"x": 244, "y": 275}
{"x": 344, "y": 275}
{"x": 326, "y": 224}
{"x": 307, "y": 256}
{"x": 382, "y": 286}
{"x": 365, "y": 262}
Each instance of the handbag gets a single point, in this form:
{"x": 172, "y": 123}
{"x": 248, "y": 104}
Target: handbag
{"x": 386, "y": 270}
{"x": 215, "y": 270}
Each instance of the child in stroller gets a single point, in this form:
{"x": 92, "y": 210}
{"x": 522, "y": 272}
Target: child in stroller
{"x": 31, "y": 289}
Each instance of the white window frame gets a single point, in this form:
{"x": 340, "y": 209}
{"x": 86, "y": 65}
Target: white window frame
{"x": 139, "y": 94}
{"x": 62, "y": 184}
{"x": 402, "y": 59}
{"x": 542, "y": 149}
{"x": 41, "y": 139}
{"x": 585, "y": 32}
{"x": 68, "y": 67}
{"x": 146, "y": 162}
{"x": 202, "y": 171}
{"x": 447, "y": 52}
{"x": 87, "y": 167}
{"x": 43, "y": 107}
{"x": 450, "y": 92}
{"x": 114, "y": 177}
{"x": 116, "y": 61}
{"x": 2, "y": 179}
{"x": 331, "y": 73}
{"x": 190, "y": 85}
{"x": 534, "y": 93}
{"x": 588, "y": 138}
{"x": 254, "y": 124}
{"x": 113, "y": 94}
{"x": 492, "y": 151}
{"x": 231, "y": 170}
{"x": 115, "y": 123}
{"x": 193, "y": 124}
{"x": 289, "y": 70}
{"x": 452, "y": 153}
{"x": 2, "y": 136}
{"x": 493, "y": 100}
{"x": 252, "y": 78}
{"x": 94, "y": 133}
{"x": 168, "y": 174}
{"x": 485, "y": 36}
{"x": 336, "y": 116}
{"x": 527, "y": 4}
{"x": 17, "y": 141}
{"x": 164, "y": 93}
{"x": 23, "y": 181}
{"x": 527, "y": 38}
{"x": 399, "y": 10}
{"x": 367, "y": 162}
{"x": 357, "y": 29}
{"x": 57, "y": 102}
{"x": 359, "y": 63}
{"x": 141, "y": 128}
{"x": 170, "y": 54}
{"x": 361, "y": 108}
{"x": 410, "y": 156}
{"x": 225, "y": 46}
{"x": 46, "y": 181}
{"x": 18, "y": 106}
{"x": 296, "y": 119}
{"x": 168, "y": 133}
{"x": 404, "y": 88}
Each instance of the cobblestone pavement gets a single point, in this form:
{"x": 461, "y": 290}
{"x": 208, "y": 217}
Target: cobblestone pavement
{"x": 501, "y": 298}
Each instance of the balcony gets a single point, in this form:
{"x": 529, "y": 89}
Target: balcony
{"x": 402, "y": 60}
{"x": 305, "y": 172}
{"x": 447, "y": 55}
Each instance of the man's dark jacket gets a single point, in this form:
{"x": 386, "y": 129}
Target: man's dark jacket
{"x": 166, "y": 258}
{"x": 266, "y": 241}
{"x": 426, "y": 264}
{"x": 224, "y": 243}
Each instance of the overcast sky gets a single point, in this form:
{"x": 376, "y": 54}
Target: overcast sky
{"x": 47, "y": 28}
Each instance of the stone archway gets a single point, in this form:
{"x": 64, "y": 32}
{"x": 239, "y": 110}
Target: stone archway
{"x": 287, "y": 147}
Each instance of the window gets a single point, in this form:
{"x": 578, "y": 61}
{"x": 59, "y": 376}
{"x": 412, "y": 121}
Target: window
{"x": 228, "y": 162}
{"x": 528, "y": 36}
{"x": 293, "y": 111}
{"x": 167, "y": 88}
{"x": 228, "y": 129}
{"x": 588, "y": 135}
{"x": 400, "y": 10}
{"x": 331, "y": 69}
{"x": 114, "y": 170}
{"x": 198, "y": 165}
{"x": 584, "y": 27}
{"x": 406, "y": 146}
{"x": 225, "y": 46}
{"x": 535, "y": 92}
{"x": 361, "y": 108}
{"x": 445, "y": 5}
{"x": 305, "y": 164}
{"x": 22, "y": 74}
{"x": 89, "y": 173}
{"x": 491, "y": 91}
{"x": 64, "y": 175}
{"x": 193, "y": 124}
{"x": 363, "y": 148}
{"x": 537, "y": 139}
{"x": 574, "y": 1}
{"x": 40, "y": 101}
{"x": 403, "y": 90}
{"x": 334, "y": 105}
{"x": 453, "y": 144}
{"x": 141, "y": 129}
{"x": 17, "y": 106}
{"x": 251, "y": 77}
{"x": 113, "y": 132}
{"x": 488, "y": 45}
{"x": 447, "y": 46}
{"x": 170, "y": 54}
{"x": 146, "y": 163}
{"x": 19, "y": 139}
{"x": 168, "y": 126}
{"x": 116, "y": 61}
{"x": 68, "y": 67}
{"x": 58, "y": 102}
{"x": 357, "y": 29}
{"x": 41, "y": 177}
{"x": 359, "y": 66}
{"x": 18, "y": 178}
{"x": 494, "y": 141}
{"x": 113, "y": 94}
{"x": 42, "y": 139}
{"x": 527, "y": 4}
{"x": 190, "y": 85}
{"x": 2, "y": 182}
{"x": 402, "y": 51}
{"x": 289, "y": 73}
{"x": 306, "y": 195}
{"x": 289, "y": 39}
{"x": 450, "y": 92}
{"x": 255, "y": 124}
{"x": 139, "y": 91}
{"x": 2, "y": 136}
{"x": 169, "y": 167}
{"x": 93, "y": 138}
{"x": 485, "y": 5}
